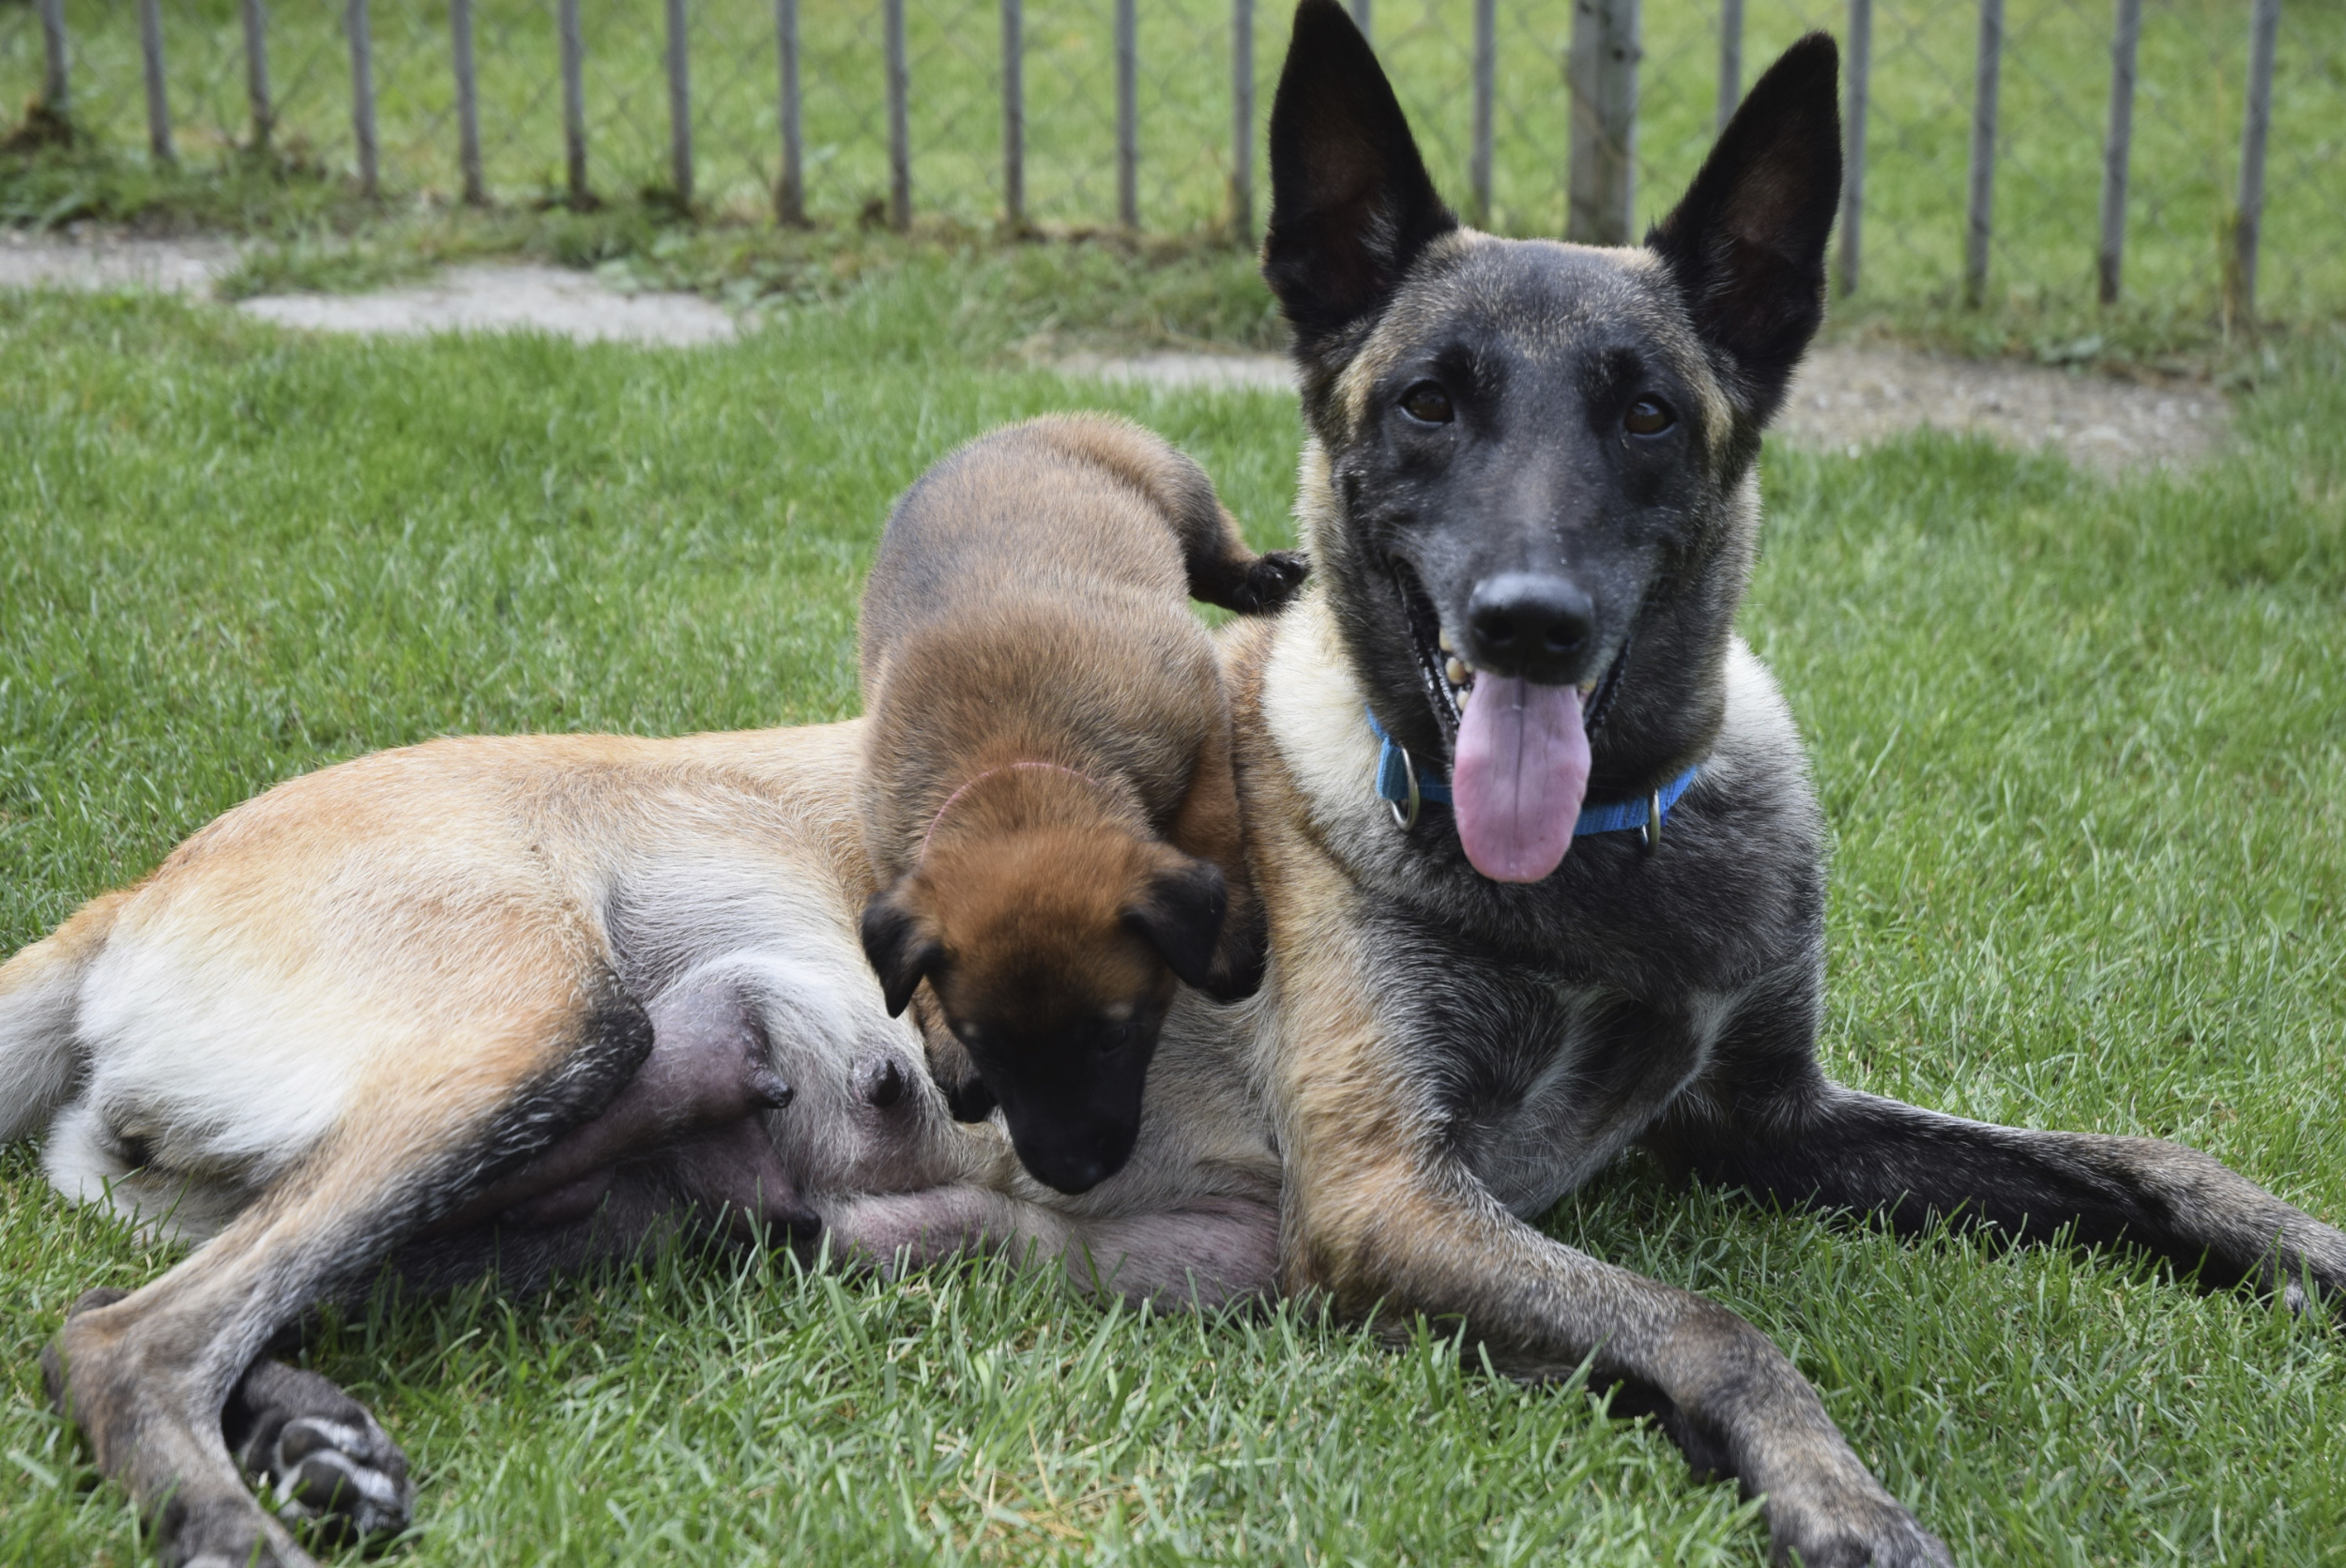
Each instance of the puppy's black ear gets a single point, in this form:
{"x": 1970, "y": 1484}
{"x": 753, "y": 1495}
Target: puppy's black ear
{"x": 901, "y": 944}
{"x": 1350, "y": 204}
{"x": 1179, "y": 912}
{"x": 1746, "y": 245}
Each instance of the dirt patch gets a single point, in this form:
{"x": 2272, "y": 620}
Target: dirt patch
{"x": 101, "y": 261}
{"x": 551, "y": 299}
{"x": 498, "y": 299}
{"x": 1851, "y": 398}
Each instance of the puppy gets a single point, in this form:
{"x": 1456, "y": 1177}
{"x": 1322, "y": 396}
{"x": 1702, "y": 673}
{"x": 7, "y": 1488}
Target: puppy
{"x": 1048, "y": 796}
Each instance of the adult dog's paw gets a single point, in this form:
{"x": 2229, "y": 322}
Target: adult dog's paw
{"x": 1270, "y": 582}
{"x": 1863, "y": 1531}
{"x": 320, "y": 1453}
{"x": 224, "y": 1533}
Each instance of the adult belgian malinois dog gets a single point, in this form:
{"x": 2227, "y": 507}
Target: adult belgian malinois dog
{"x": 1530, "y": 498}
{"x": 521, "y": 1000}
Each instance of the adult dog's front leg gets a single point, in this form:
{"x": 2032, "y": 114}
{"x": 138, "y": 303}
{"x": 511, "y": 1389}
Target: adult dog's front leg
{"x": 1419, "y": 1236}
{"x": 1794, "y": 1135}
{"x": 1382, "y": 1214}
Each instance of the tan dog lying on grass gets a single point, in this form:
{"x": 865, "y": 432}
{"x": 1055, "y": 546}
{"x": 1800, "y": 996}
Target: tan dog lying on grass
{"x": 1048, "y": 797}
{"x": 518, "y": 1004}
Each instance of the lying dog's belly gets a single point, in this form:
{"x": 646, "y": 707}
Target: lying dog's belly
{"x": 411, "y": 948}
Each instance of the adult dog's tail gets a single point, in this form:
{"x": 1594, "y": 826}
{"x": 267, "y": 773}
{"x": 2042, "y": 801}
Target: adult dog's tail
{"x": 40, "y": 994}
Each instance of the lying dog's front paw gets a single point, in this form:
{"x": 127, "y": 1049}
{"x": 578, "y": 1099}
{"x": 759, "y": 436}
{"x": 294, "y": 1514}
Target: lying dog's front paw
{"x": 222, "y": 1532}
{"x": 1852, "y": 1531}
{"x": 320, "y": 1453}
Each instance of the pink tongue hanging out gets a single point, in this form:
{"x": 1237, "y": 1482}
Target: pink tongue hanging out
{"x": 1522, "y": 769}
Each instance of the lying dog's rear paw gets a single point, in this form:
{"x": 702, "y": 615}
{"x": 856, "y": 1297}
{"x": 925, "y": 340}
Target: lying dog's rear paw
{"x": 1270, "y": 582}
{"x": 320, "y": 1453}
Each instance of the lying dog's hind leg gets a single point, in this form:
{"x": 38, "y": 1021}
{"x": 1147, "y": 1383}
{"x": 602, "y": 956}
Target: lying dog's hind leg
{"x": 320, "y": 1452}
{"x": 1779, "y": 1128}
{"x": 148, "y": 1378}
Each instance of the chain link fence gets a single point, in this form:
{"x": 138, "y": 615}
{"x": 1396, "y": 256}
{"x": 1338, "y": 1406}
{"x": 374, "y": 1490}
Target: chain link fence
{"x": 1149, "y": 113}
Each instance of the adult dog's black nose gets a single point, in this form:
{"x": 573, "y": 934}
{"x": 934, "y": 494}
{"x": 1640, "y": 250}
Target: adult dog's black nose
{"x": 1532, "y": 625}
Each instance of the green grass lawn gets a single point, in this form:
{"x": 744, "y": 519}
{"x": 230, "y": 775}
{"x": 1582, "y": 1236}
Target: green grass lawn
{"x": 2083, "y": 747}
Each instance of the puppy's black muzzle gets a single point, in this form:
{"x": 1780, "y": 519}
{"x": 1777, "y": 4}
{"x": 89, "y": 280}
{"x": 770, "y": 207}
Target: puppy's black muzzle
{"x": 1533, "y": 625}
{"x": 1074, "y": 1159}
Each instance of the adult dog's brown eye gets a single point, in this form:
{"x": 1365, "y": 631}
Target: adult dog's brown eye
{"x": 1427, "y": 403}
{"x": 1647, "y": 418}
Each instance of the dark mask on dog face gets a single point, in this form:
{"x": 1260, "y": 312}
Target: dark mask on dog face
{"x": 1539, "y": 454}
{"x": 1070, "y": 1089}
{"x": 1054, "y": 984}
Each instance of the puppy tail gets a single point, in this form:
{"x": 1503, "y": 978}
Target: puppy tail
{"x": 41, "y": 990}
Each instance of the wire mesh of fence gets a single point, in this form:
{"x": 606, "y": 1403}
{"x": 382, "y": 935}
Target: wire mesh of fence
{"x": 2038, "y": 151}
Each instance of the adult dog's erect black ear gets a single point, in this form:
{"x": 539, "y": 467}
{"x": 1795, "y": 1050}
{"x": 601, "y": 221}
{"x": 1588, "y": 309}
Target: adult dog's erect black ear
{"x": 1180, "y": 914}
{"x": 901, "y": 944}
{"x": 1350, "y": 203}
{"x": 1746, "y": 244}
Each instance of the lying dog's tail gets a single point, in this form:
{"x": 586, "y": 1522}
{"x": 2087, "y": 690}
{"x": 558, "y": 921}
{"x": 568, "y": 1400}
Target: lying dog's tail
{"x": 39, "y": 996}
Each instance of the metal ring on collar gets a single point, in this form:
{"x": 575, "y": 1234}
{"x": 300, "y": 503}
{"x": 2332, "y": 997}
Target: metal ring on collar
{"x": 1650, "y": 835}
{"x": 1407, "y": 819}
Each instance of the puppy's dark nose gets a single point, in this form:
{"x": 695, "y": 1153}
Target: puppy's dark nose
{"x": 1530, "y": 624}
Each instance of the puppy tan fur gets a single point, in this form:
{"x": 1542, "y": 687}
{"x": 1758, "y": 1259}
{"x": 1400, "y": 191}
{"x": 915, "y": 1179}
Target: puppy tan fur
{"x": 1048, "y": 797}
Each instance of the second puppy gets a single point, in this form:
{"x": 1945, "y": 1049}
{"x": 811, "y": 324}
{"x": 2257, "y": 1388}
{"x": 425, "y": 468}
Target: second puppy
{"x": 1048, "y": 800}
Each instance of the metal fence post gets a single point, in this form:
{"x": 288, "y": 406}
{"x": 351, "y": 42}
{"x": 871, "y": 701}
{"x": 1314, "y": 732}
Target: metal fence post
{"x": 1979, "y": 224}
{"x": 1014, "y": 117}
{"x": 573, "y": 40}
{"x": 55, "y": 81}
{"x": 2118, "y": 148}
{"x": 680, "y": 105}
{"x": 790, "y": 190}
{"x": 1486, "y": 75}
{"x": 1731, "y": 59}
{"x": 360, "y": 27}
{"x": 1243, "y": 118}
{"x": 1861, "y": 59}
{"x": 1602, "y": 78}
{"x": 157, "y": 96}
{"x": 2264, "y": 31}
{"x": 1361, "y": 19}
{"x": 899, "y": 118}
{"x": 467, "y": 102}
{"x": 255, "y": 14}
{"x": 1127, "y": 118}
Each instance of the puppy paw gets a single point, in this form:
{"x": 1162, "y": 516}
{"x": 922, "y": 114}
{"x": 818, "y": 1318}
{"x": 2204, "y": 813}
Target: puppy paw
{"x": 1270, "y": 583}
{"x": 320, "y": 1453}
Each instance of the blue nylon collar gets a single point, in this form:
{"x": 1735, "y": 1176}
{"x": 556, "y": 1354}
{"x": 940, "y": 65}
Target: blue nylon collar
{"x": 1617, "y": 817}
